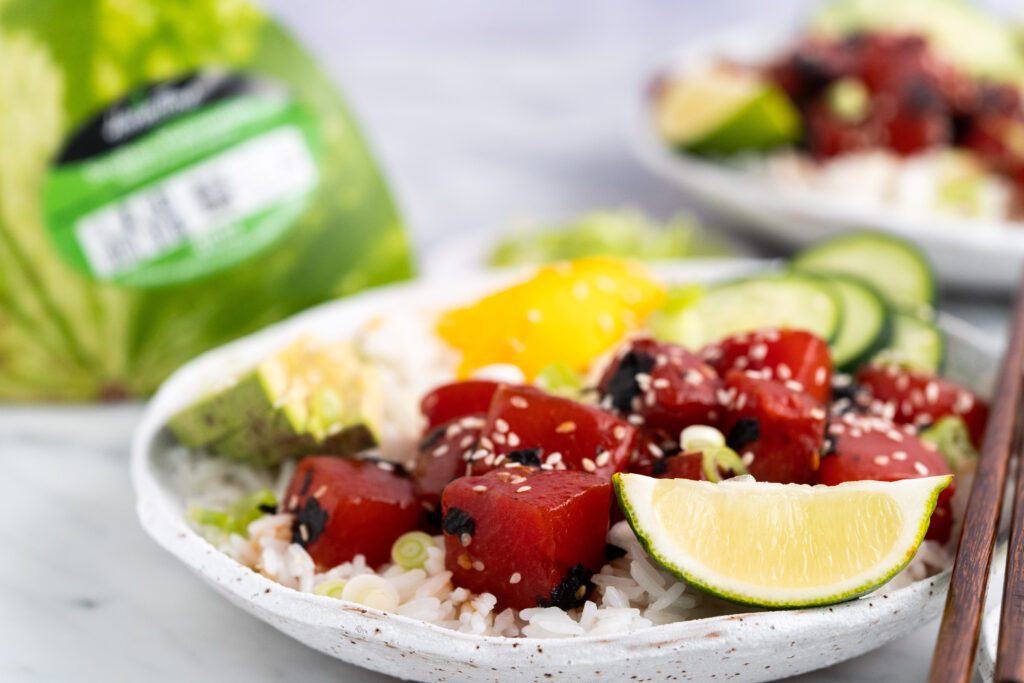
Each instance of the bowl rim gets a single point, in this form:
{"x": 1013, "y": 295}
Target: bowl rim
{"x": 165, "y": 524}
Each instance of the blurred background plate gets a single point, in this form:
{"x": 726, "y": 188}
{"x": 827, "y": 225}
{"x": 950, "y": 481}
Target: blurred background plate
{"x": 967, "y": 254}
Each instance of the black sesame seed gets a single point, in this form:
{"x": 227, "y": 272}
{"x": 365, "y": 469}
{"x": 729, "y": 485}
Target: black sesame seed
{"x": 622, "y": 386}
{"x": 527, "y": 456}
{"x": 457, "y": 522}
{"x": 744, "y": 432}
{"x": 431, "y": 439}
{"x": 659, "y": 467}
{"x": 267, "y": 509}
{"x": 568, "y": 594}
{"x": 306, "y": 481}
{"x": 613, "y": 552}
{"x": 313, "y": 518}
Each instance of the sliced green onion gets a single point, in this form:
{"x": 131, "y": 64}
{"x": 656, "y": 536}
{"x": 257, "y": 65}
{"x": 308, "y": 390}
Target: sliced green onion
{"x": 559, "y": 378}
{"x": 331, "y": 588}
{"x": 718, "y": 459}
{"x": 237, "y": 518}
{"x": 372, "y": 591}
{"x": 410, "y": 549}
{"x": 698, "y": 437}
{"x": 849, "y": 99}
{"x": 953, "y": 441}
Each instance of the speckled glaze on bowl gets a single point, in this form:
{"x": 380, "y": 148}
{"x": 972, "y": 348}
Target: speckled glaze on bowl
{"x": 753, "y": 646}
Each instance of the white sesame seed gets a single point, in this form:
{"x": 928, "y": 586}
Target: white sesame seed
{"x": 386, "y": 466}
{"x": 479, "y": 488}
{"x": 440, "y": 450}
{"x": 513, "y": 439}
{"x": 501, "y": 425}
{"x": 783, "y": 371}
{"x": 515, "y": 578}
{"x": 964, "y": 403}
{"x": 660, "y": 383}
{"x": 566, "y": 427}
{"x": 304, "y": 532}
{"x": 899, "y": 455}
{"x": 320, "y": 491}
{"x": 635, "y": 420}
{"x": 602, "y": 458}
{"x": 818, "y": 413}
{"x": 902, "y": 382}
{"x": 881, "y": 459}
{"x": 589, "y": 465}
{"x": 741, "y": 363}
{"x": 480, "y": 454}
{"x": 836, "y": 429}
{"x": 793, "y": 385}
{"x": 748, "y": 458}
{"x": 819, "y": 376}
{"x": 465, "y": 540}
{"x": 523, "y": 489}
{"x": 534, "y": 316}
{"x": 478, "y": 565}
{"x": 759, "y": 351}
{"x": 452, "y": 431}
{"x": 554, "y": 458}
{"x": 486, "y": 443}
{"x": 519, "y": 402}
{"x": 921, "y": 469}
{"x": 498, "y": 437}
{"x": 931, "y": 392}
{"x": 580, "y": 290}
{"x": 655, "y": 450}
{"x": 619, "y": 432}
{"x": 467, "y": 441}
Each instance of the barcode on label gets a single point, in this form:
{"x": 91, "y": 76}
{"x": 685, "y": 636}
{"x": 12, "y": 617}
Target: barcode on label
{"x": 197, "y": 202}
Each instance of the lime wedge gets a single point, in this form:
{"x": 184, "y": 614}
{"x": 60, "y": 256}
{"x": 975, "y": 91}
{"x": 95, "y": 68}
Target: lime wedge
{"x": 780, "y": 545}
{"x": 725, "y": 111}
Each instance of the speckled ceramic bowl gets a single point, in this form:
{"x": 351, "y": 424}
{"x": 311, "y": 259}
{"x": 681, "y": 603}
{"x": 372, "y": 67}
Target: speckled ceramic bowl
{"x": 747, "y": 647}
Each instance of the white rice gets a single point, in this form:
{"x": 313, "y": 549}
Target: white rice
{"x": 911, "y": 185}
{"x": 630, "y": 592}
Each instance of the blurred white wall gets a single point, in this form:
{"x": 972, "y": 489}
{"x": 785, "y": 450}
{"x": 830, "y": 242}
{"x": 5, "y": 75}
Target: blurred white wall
{"x": 483, "y": 111}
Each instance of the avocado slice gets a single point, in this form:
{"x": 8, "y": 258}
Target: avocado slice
{"x": 310, "y": 397}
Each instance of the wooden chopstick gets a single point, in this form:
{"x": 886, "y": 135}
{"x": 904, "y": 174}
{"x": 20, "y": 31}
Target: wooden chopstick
{"x": 1010, "y": 649}
{"x": 953, "y": 661}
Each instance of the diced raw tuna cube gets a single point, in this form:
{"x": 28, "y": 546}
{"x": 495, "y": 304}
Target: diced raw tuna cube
{"x": 530, "y": 537}
{"x": 345, "y": 508}
{"x": 458, "y": 399}
{"x": 530, "y": 427}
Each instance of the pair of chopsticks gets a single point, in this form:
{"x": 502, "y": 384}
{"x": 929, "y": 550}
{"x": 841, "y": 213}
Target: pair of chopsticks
{"x": 957, "y": 644}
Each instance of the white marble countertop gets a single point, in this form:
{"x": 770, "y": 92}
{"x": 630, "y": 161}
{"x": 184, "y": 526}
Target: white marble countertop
{"x": 481, "y": 112}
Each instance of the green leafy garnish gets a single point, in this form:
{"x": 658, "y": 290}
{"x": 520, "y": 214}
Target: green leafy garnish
{"x": 559, "y": 378}
{"x": 625, "y": 233}
{"x": 952, "y": 440}
{"x": 237, "y": 518}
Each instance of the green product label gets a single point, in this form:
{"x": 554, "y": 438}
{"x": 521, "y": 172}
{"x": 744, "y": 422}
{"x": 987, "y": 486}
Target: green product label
{"x": 181, "y": 179}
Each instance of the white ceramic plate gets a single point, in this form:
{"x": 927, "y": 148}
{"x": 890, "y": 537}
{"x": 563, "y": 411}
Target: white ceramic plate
{"x": 974, "y": 254}
{"x": 747, "y": 647}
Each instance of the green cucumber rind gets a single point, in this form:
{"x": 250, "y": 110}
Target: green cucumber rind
{"x": 849, "y": 362}
{"x": 936, "y": 365}
{"x": 816, "y": 258}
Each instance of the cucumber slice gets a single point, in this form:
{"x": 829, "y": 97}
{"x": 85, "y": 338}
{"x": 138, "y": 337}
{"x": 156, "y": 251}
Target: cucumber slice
{"x": 794, "y": 300}
{"x": 895, "y": 268}
{"x": 867, "y": 323}
{"x": 917, "y": 344}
